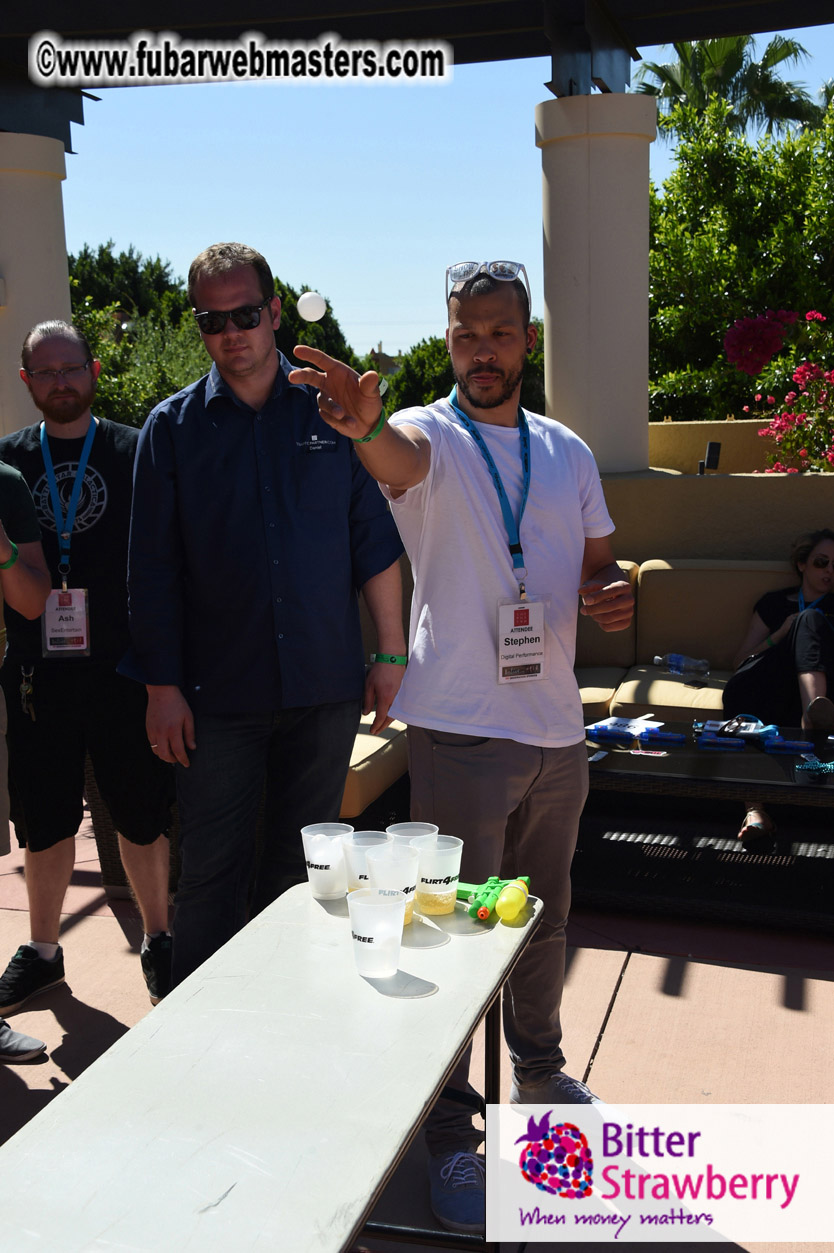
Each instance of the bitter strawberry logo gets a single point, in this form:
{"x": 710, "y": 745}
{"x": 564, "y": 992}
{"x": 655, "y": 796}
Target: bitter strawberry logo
{"x": 557, "y": 1159}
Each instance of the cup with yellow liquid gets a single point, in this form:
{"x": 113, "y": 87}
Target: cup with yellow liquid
{"x": 438, "y": 872}
{"x": 393, "y": 867}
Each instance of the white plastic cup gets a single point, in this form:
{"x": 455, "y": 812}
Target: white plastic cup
{"x": 325, "y": 858}
{"x": 438, "y": 873}
{"x": 393, "y": 867}
{"x": 356, "y": 846}
{"x": 376, "y": 925}
{"x": 405, "y": 832}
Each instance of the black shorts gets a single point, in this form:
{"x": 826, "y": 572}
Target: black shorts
{"x": 80, "y": 710}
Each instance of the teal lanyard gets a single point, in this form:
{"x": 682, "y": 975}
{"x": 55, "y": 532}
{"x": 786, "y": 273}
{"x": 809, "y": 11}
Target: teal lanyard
{"x": 813, "y": 604}
{"x": 64, "y": 525}
{"x": 512, "y": 525}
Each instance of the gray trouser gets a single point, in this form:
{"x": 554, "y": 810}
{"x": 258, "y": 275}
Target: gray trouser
{"x": 516, "y": 807}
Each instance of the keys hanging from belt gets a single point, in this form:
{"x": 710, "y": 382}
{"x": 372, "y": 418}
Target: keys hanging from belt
{"x": 26, "y": 691}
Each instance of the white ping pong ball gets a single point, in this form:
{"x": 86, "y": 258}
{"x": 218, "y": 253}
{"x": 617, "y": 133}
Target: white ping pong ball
{"x": 311, "y": 306}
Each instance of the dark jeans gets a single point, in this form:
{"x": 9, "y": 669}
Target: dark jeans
{"x": 297, "y": 760}
{"x": 766, "y": 686}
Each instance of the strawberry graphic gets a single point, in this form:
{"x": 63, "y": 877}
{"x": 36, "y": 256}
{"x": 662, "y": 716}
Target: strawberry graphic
{"x": 557, "y": 1159}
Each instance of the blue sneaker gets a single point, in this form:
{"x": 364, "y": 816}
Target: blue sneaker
{"x": 458, "y": 1191}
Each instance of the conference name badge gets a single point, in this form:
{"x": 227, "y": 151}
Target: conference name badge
{"x": 65, "y": 625}
{"x": 521, "y": 641}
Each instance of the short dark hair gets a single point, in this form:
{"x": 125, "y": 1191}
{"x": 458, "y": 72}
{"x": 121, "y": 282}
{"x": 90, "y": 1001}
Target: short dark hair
{"x": 804, "y": 545}
{"x": 485, "y": 284}
{"x": 53, "y": 329}
{"x": 222, "y": 259}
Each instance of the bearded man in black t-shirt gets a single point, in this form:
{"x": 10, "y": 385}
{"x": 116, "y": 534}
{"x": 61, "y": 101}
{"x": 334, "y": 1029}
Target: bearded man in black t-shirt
{"x": 59, "y": 676}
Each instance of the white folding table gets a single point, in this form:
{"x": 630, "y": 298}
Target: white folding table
{"x": 266, "y": 1101}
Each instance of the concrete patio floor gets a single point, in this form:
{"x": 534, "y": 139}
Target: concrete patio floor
{"x": 656, "y": 1010}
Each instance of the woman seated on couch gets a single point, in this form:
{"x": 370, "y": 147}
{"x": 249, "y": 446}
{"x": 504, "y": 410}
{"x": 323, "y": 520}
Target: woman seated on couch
{"x": 785, "y": 665}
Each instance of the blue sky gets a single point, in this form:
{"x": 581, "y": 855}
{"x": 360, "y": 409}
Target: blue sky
{"x": 365, "y": 193}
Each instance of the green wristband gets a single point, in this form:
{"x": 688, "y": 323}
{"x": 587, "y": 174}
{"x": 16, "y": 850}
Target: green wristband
{"x": 390, "y": 659}
{"x": 769, "y": 642}
{"x": 7, "y": 565}
{"x": 366, "y": 439}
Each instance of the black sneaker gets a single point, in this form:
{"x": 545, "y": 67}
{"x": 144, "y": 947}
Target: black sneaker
{"x": 26, "y": 975}
{"x": 156, "y": 967}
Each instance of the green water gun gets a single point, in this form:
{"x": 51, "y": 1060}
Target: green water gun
{"x": 506, "y": 896}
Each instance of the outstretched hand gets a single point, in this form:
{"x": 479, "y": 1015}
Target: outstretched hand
{"x": 348, "y": 402}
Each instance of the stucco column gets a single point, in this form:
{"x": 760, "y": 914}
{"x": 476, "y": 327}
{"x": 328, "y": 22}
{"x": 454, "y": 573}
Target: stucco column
{"x": 595, "y": 165}
{"x": 34, "y": 283}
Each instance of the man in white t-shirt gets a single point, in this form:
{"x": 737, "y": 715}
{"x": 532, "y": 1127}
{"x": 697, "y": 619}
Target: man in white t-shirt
{"x": 503, "y": 517}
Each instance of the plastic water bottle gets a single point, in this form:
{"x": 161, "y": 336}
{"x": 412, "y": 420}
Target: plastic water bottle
{"x": 686, "y": 667}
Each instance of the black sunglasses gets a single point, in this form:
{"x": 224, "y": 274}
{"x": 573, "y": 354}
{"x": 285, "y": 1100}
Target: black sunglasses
{"x": 822, "y": 563}
{"x": 246, "y": 318}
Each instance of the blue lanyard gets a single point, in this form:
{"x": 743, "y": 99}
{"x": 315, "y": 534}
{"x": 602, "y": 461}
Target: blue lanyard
{"x": 512, "y": 526}
{"x": 813, "y": 604}
{"x": 63, "y": 525}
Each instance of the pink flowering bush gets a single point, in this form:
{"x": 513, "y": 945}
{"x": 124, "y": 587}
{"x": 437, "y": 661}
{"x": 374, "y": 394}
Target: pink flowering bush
{"x": 802, "y": 427}
{"x": 752, "y": 343}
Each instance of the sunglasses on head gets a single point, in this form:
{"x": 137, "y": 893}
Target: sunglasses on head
{"x": 506, "y": 271}
{"x": 822, "y": 563}
{"x": 246, "y": 318}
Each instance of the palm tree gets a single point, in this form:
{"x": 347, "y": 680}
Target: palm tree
{"x": 726, "y": 68}
{"x": 826, "y": 94}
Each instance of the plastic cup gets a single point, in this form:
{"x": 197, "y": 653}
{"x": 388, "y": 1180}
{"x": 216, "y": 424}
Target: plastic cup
{"x": 325, "y": 858}
{"x": 356, "y": 846}
{"x": 376, "y": 925}
{"x": 393, "y": 867}
{"x": 405, "y": 832}
{"x": 438, "y": 873}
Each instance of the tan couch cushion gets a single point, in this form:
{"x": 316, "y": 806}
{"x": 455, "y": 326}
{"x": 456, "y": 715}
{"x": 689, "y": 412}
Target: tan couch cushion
{"x": 376, "y": 762}
{"x": 646, "y": 690}
{"x": 597, "y": 685}
{"x": 701, "y": 607}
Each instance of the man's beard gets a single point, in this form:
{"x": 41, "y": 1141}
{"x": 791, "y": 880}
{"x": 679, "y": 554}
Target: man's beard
{"x": 64, "y": 407}
{"x": 510, "y": 383}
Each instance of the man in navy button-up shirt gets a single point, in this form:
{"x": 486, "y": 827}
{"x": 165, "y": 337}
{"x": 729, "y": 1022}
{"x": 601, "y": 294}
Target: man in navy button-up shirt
{"x": 253, "y": 529}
